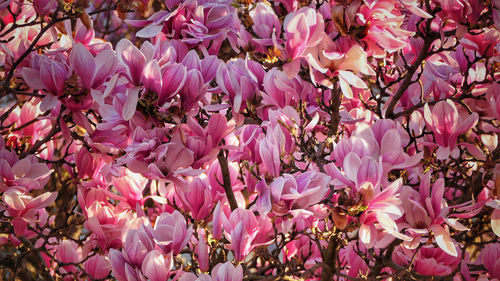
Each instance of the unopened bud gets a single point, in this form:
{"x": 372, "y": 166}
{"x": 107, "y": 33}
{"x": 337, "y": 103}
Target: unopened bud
{"x": 339, "y": 218}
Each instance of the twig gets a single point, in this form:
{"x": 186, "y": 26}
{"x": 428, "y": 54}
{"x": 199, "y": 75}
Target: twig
{"x": 424, "y": 52}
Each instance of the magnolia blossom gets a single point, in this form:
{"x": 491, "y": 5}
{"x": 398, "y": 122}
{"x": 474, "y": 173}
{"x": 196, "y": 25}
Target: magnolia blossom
{"x": 292, "y": 192}
{"x": 170, "y": 232}
{"x": 444, "y": 123}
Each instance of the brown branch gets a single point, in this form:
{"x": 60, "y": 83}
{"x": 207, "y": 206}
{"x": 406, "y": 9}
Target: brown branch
{"x": 328, "y": 269}
{"x": 335, "y": 112}
{"x": 41, "y": 263}
{"x": 407, "y": 81}
{"x": 227, "y": 180}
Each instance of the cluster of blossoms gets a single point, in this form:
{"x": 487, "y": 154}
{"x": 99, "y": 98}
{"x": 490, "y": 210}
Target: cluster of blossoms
{"x": 249, "y": 140}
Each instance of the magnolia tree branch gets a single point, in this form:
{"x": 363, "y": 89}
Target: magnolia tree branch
{"x": 407, "y": 81}
{"x": 329, "y": 269}
{"x": 227, "y": 180}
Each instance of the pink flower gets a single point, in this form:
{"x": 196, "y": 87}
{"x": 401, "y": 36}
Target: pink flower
{"x": 130, "y": 185}
{"x": 227, "y": 272}
{"x": 383, "y": 208}
{"x": 132, "y": 58}
{"x": 203, "y": 251}
{"x": 171, "y": 233}
{"x": 88, "y": 164}
{"x": 156, "y": 267}
{"x": 495, "y": 215}
{"x": 240, "y": 80}
{"x": 200, "y": 198}
{"x": 241, "y": 229}
{"x": 68, "y": 252}
{"x": 204, "y": 141}
{"x": 265, "y": 24}
{"x": 26, "y": 174}
{"x": 92, "y": 71}
{"x": 303, "y": 29}
{"x": 47, "y": 74}
{"x": 446, "y": 126}
{"x": 426, "y": 210}
{"x": 298, "y": 191}
{"x": 429, "y": 260}
{"x": 383, "y": 22}
{"x": 23, "y": 207}
{"x": 490, "y": 258}
{"x": 97, "y": 266}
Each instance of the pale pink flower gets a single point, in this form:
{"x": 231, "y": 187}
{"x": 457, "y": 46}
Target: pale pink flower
{"x": 495, "y": 215}
{"x": 156, "y": 267}
{"x": 23, "y": 207}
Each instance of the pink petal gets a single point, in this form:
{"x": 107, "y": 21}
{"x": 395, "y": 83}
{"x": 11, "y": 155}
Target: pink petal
{"x": 149, "y": 31}
{"x": 154, "y": 266}
{"x": 32, "y": 78}
{"x": 83, "y": 63}
{"x": 130, "y": 105}
{"x": 42, "y": 200}
{"x": 106, "y": 64}
{"x": 352, "y": 79}
{"x": 151, "y": 77}
{"x": 443, "y": 240}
